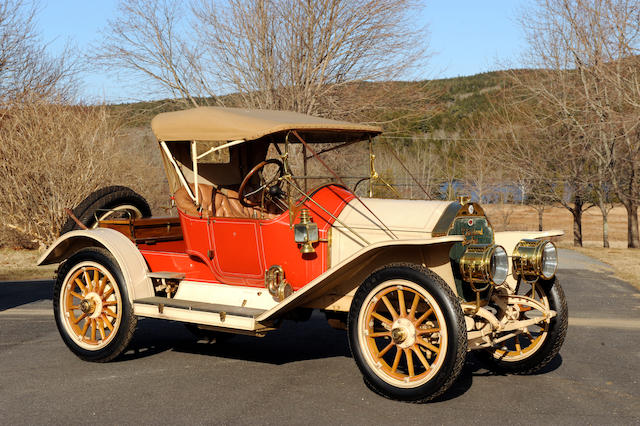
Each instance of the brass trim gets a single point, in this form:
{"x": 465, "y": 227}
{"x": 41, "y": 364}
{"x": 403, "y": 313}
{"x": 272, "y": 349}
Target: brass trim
{"x": 329, "y": 245}
{"x": 334, "y": 217}
{"x": 454, "y": 210}
{"x": 306, "y": 226}
{"x": 272, "y": 278}
{"x": 284, "y": 290}
{"x": 275, "y": 282}
{"x": 446, "y": 220}
{"x": 475, "y": 265}
{"x": 463, "y": 199}
{"x": 527, "y": 259}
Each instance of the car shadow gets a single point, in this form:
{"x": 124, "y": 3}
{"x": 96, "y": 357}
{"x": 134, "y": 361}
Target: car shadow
{"x": 476, "y": 367}
{"x": 19, "y": 293}
{"x": 292, "y": 342}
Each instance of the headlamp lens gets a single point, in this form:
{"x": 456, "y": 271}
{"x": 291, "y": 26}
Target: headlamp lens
{"x": 549, "y": 260}
{"x": 499, "y": 265}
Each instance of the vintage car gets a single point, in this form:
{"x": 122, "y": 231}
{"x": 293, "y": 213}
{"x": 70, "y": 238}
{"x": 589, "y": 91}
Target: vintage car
{"x": 416, "y": 283}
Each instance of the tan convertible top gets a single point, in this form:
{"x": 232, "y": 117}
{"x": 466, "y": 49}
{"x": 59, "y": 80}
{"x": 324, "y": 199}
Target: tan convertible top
{"x": 231, "y": 124}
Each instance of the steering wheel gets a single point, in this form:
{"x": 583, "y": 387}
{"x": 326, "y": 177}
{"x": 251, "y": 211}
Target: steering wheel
{"x": 273, "y": 189}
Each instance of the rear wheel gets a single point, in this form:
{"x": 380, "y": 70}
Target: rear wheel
{"x": 111, "y": 202}
{"x": 407, "y": 333}
{"x": 91, "y": 306}
{"x": 533, "y": 348}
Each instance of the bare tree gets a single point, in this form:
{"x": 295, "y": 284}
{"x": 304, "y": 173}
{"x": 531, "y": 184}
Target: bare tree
{"x": 25, "y": 67}
{"x": 422, "y": 159}
{"x": 450, "y": 157}
{"x": 151, "y": 39}
{"x": 289, "y": 54}
{"x": 53, "y": 156}
{"x": 588, "y": 52}
{"x": 541, "y": 145}
{"x": 52, "y": 153}
{"x": 481, "y": 170}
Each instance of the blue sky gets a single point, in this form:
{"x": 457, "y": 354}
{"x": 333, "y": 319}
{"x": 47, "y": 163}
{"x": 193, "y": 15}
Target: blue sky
{"x": 467, "y": 37}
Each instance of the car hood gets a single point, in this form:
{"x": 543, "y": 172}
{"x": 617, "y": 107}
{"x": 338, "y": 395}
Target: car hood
{"x": 404, "y": 216}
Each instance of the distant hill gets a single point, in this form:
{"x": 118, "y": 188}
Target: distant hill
{"x": 428, "y": 106}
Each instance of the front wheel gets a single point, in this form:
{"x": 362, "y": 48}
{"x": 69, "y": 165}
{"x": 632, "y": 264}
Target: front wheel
{"x": 407, "y": 333}
{"x": 91, "y": 306}
{"x": 534, "y": 347}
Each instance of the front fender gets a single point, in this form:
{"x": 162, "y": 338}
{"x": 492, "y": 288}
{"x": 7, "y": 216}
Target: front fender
{"x": 131, "y": 262}
{"x": 331, "y": 290}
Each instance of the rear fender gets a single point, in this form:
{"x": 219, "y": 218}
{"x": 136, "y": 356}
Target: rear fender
{"x": 130, "y": 260}
{"x": 334, "y": 289}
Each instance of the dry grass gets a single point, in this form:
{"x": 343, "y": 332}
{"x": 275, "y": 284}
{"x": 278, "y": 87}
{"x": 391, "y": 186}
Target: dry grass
{"x": 17, "y": 265}
{"x": 55, "y": 155}
{"x": 521, "y": 217}
{"x": 625, "y": 261}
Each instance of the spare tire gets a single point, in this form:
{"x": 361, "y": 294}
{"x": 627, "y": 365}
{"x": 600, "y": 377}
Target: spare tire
{"x": 109, "y": 202}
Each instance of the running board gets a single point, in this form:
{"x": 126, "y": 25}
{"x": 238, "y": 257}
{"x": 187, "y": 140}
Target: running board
{"x": 224, "y": 316}
{"x": 162, "y": 275}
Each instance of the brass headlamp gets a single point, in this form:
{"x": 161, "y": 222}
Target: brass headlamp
{"x": 533, "y": 259}
{"x": 306, "y": 232}
{"x": 484, "y": 264}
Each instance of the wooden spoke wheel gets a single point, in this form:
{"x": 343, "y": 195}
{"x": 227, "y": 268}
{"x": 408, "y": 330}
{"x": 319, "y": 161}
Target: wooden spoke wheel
{"x": 92, "y": 311}
{"x": 407, "y": 333}
{"x": 530, "y": 349}
{"x": 92, "y": 305}
{"x": 404, "y": 333}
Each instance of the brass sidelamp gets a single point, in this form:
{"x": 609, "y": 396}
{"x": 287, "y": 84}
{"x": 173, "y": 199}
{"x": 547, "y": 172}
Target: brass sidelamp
{"x": 306, "y": 232}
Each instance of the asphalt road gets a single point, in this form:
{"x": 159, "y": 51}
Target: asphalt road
{"x": 304, "y": 374}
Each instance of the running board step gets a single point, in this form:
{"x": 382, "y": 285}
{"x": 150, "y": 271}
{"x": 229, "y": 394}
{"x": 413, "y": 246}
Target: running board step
{"x": 163, "y": 275}
{"x": 190, "y": 305}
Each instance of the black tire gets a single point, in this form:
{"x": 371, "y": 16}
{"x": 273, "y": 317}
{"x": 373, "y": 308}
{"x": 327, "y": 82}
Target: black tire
{"x": 97, "y": 341}
{"x": 211, "y": 336}
{"x": 547, "y": 340}
{"x": 444, "y": 329}
{"x": 110, "y": 197}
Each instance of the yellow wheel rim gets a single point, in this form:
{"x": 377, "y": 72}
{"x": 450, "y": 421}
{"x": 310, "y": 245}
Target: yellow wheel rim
{"x": 528, "y": 341}
{"x": 402, "y": 332}
{"x": 91, "y": 305}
